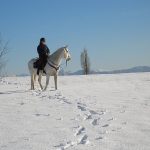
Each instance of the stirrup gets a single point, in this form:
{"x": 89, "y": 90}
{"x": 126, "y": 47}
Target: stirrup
{"x": 38, "y": 70}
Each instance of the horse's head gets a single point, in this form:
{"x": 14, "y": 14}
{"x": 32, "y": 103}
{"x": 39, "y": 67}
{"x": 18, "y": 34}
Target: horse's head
{"x": 61, "y": 53}
{"x": 67, "y": 55}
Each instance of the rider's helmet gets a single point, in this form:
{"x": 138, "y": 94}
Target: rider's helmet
{"x": 42, "y": 40}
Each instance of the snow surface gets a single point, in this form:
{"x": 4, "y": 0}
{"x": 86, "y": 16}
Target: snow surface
{"x": 96, "y": 112}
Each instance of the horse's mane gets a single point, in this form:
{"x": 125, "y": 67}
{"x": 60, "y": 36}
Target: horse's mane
{"x": 55, "y": 54}
{"x": 58, "y": 50}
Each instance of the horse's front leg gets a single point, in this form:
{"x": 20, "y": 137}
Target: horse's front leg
{"x": 47, "y": 81}
{"x": 55, "y": 80}
{"x": 39, "y": 80}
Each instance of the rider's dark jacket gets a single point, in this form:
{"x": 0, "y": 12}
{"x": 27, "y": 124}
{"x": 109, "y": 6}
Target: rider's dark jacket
{"x": 43, "y": 50}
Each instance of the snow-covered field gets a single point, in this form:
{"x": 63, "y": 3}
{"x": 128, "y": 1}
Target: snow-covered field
{"x": 96, "y": 112}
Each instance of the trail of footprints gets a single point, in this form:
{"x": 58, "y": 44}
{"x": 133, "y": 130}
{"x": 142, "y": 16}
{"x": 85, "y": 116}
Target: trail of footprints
{"x": 98, "y": 120}
{"x": 82, "y": 140}
{"x": 57, "y": 96}
{"x": 94, "y": 118}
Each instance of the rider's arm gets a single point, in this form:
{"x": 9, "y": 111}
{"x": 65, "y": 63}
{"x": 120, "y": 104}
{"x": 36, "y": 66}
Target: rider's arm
{"x": 48, "y": 51}
{"x": 38, "y": 50}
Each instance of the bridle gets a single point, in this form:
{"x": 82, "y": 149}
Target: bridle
{"x": 55, "y": 66}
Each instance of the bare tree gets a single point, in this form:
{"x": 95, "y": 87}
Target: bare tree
{"x": 3, "y": 52}
{"x": 85, "y": 62}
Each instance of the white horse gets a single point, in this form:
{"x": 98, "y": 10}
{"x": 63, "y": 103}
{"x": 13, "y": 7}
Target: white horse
{"x": 51, "y": 68}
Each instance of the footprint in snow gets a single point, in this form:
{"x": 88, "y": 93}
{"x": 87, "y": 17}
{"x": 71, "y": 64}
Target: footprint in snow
{"x": 95, "y": 122}
{"x": 4, "y": 146}
{"x": 93, "y": 112}
{"x": 65, "y": 146}
{"x": 36, "y": 93}
{"x": 81, "y": 104}
{"x": 110, "y": 119}
{"x": 96, "y": 113}
{"x": 46, "y": 115}
{"x": 103, "y": 132}
{"x": 58, "y": 94}
{"x": 83, "y": 140}
{"x": 59, "y": 146}
{"x": 65, "y": 100}
{"x": 80, "y": 130}
{"x": 99, "y": 138}
{"x": 43, "y": 96}
{"x": 106, "y": 125}
{"x": 124, "y": 123}
{"x": 59, "y": 118}
{"x": 87, "y": 116}
{"x": 22, "y": 103}
{"x": 82, "y": 108}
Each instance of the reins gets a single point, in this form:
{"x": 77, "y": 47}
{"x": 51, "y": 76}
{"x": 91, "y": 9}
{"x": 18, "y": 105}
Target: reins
{"x": 56, "y": 68}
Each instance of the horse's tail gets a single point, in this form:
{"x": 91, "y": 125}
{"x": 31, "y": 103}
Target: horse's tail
{"x": 30, "y": 66}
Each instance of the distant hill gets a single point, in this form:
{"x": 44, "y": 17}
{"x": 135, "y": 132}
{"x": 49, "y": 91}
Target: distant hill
{"x": 80, "y": 72}
{"x": 130, "y": 70}
{"x": 22, "y": 75}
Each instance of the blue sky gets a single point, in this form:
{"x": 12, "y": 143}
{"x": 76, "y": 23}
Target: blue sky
{"x": 116, "y": 33}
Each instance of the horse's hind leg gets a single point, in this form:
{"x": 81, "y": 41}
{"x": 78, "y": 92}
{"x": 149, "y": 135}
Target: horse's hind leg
{"x": 39, "y": 80}
{"x": 32, "y": 82}
{"x": 34, "y": 77}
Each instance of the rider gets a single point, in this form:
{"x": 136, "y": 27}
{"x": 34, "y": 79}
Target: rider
{"x": 43, "y": 52}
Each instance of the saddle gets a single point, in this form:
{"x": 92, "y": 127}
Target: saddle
{"x": 36, "y": 63}
{"x": 39, "y": 64}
